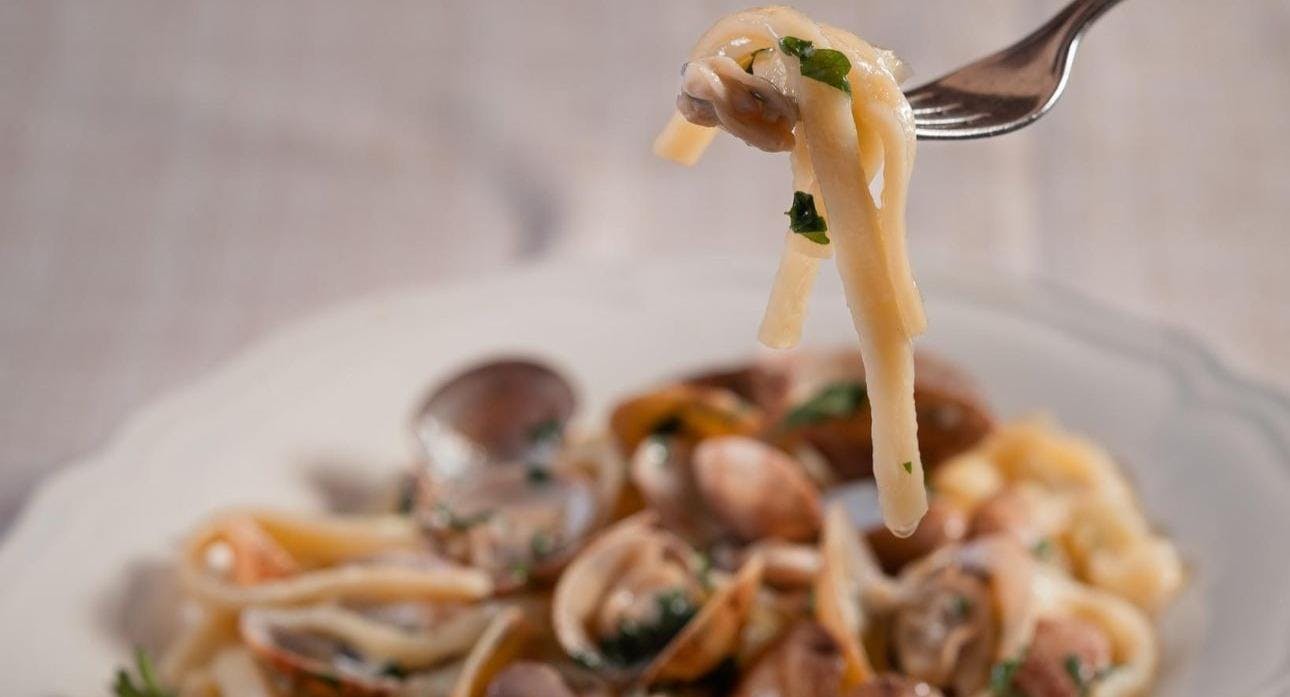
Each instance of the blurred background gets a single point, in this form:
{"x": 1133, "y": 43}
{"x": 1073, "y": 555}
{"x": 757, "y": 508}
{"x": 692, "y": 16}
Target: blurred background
{"x": 179, "y": 178}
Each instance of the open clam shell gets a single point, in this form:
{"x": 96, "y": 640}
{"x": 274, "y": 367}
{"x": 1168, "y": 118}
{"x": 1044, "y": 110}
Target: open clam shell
{"x": 713, "y": 634}
{"x": 329, "y": 649}
{"x": 845, "y": 569}
{"x": 963, "y": 609}
{"x": 692, "y": 412}
{"x": 635, "y": 604}
{"x": 524, "y": 521}
{"x": 503, "y": 411}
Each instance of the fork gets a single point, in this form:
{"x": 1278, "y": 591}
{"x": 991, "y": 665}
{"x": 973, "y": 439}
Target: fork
{"x": 1009, "y": 89}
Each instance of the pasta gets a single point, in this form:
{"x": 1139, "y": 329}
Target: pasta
{"x": 783, "y": 82}
{"x": 1087, "y": 507}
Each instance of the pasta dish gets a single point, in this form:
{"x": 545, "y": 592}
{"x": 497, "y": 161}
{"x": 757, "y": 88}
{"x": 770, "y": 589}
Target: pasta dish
{"x": 689, "y": 549}
{"x": 695, "y": 543}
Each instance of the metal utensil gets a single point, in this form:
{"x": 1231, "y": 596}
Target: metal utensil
{"x": 1009, "y": 89}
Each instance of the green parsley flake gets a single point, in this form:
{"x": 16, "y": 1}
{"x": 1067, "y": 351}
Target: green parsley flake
{"x": 909, "y": 466}
{"x": 1075, "y": 669}
{"x": 1042, "y": 549}
{"x": 1001, "y": 676}
{"x": 804, "y": 220}
{"x": 637, "y": 642}
{"x": 551, "y": 429}
{"x": 125, "y": 686}
{"x": 823, "y": 64}
{"x": 541, "y": 545}
{"x": 836, "y": 401}
{"x": 537, "y": 474}
{"x": 393, "y": 670}
{"x": 962, "y": 606}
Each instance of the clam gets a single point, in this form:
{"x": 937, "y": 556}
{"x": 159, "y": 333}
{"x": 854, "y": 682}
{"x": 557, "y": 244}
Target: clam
{"x": 1081, "y": 640}
{"x": 789, "y": 565}
{"x": 806, "y": 662}
{"x": 947, "y": 620}
{"x": 659, "y": 431}
{"x": 661, "y": 470}
{"x": 534, "y": 678}
{"x": 636, "y": 604}
{"x": 961, "y": 610}
{"x": 503, "y": 489}
{"x": 726, "y": 486}
{"x": 499, "y": 412}
{"x": 717, "y": 91}
{"x": 756, "y": 490}
{"x": 941, "y": 525}
{"x": 391, "y": 649}
{"x": 529, "y": 679}
{"x": 846, "y": 569}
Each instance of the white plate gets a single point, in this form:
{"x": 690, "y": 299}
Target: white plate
{"x": 1210, "y": 452}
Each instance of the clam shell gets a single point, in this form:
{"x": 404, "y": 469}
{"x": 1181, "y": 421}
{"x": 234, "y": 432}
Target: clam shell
{"x": 845, "y": 567}
{"x": 698, "y": 412}
{"x": 712, "y": 634}
{"x": 499, "y": 645}
{"x": 268, "y": 631}
{"x": 756, "y": 490}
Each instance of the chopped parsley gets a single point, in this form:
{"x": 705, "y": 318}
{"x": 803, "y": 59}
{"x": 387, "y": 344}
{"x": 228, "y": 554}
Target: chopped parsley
{"x": 125, "y": 686}
{"x": 637, "y": 642}
{"x": 1075, "y": 669}
{"x": 1001, "y": 677}
{"x": 836, "y": 401}
{"x": 548, "y": 430}
{"x": 962, "y": 607}
{"x": 393, "y": 670}
{"x": 909, "y": 466}
{"x": 541, "y": 545}
{"x": 462, "y": 523}
{"x": 537, "y": 473}
{"x": 520, "y": 572}
{"x": 805, "y": 220}
{"x": 823, "y": 64}
{"x": 1043, "y": 549}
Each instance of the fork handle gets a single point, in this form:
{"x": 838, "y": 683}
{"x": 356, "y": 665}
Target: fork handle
{"x": 1080, "y": 14}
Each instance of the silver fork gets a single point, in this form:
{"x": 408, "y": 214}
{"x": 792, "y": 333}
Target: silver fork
{"x": 1009, "y": 89}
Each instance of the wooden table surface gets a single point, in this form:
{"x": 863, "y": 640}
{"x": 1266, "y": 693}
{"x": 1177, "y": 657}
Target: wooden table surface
{"x": 179, "y": 178}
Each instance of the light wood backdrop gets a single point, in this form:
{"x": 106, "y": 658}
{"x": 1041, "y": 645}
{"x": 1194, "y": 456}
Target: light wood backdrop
{"x": 177, "y": 178}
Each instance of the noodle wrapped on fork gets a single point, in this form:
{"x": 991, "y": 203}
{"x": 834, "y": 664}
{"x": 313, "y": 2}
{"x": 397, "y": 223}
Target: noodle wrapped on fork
{"x": 853, "y": 126}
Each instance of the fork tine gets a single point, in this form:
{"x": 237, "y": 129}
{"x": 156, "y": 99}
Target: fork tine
{"x": 950, "y": 121}
{"x": 935, "y": 109}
